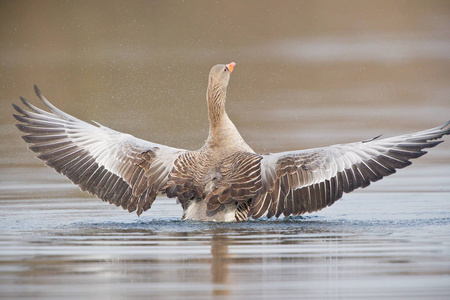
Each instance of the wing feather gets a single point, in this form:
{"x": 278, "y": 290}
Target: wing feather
{"x": 116, "y": 167}
{"x": 302, "y": 181}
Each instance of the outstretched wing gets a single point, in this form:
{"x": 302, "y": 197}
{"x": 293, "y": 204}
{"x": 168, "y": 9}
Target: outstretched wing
{"x": 116, "y": 167}
{"x": 305, "y": 181}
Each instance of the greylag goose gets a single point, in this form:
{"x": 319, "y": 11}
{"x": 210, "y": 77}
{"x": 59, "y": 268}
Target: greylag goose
{"x": 225, "y": 180}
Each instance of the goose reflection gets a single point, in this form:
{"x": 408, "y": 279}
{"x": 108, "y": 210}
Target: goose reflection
{"x": 183, "y": 259}
{"x": 219, "y": 264}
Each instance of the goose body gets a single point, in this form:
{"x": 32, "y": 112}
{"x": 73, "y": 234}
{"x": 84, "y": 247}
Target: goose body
{"x": 225, "y": 180}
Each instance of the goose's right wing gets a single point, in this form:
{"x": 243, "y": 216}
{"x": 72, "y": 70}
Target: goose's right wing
{"x": 302, "y": 181}
{"x": 116, "y": 167}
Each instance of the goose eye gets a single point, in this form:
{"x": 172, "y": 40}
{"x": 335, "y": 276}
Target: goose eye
{"x": 225, "y": 69}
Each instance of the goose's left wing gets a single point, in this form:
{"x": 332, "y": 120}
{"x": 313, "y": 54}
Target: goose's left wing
{"x": 308, "y": 180}
{"x": 116, "y": 167}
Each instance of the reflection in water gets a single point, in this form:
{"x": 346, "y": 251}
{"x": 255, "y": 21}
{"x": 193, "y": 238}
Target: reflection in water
{"x": 101, "y": 253}
{"x": 219, "y": 263}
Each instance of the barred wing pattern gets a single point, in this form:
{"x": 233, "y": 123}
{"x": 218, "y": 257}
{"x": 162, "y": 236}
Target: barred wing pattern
{"x": 305, "y": 181}
{"x": 116, "y": 167}
{"x": 241, "y": 180}
{"x": 235, "y": 179}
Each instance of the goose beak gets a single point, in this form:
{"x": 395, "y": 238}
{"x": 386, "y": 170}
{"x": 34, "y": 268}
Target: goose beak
{"x": 230, "y": 66}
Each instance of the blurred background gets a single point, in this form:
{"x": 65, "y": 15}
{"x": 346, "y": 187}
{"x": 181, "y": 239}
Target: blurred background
{"x": 308, "y": 74}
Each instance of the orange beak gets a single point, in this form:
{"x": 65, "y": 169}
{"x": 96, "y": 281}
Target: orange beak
{"x": 230, "y": 66}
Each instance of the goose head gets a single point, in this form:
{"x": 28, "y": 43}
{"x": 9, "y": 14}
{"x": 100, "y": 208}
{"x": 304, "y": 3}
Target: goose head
{"x": 219, "y": 76}
{"x": 217, "y": 91}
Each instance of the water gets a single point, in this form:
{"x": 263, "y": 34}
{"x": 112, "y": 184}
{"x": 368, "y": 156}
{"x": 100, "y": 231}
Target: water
{"x": 385, "y": 243}
{"x": 307, "y": 75}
